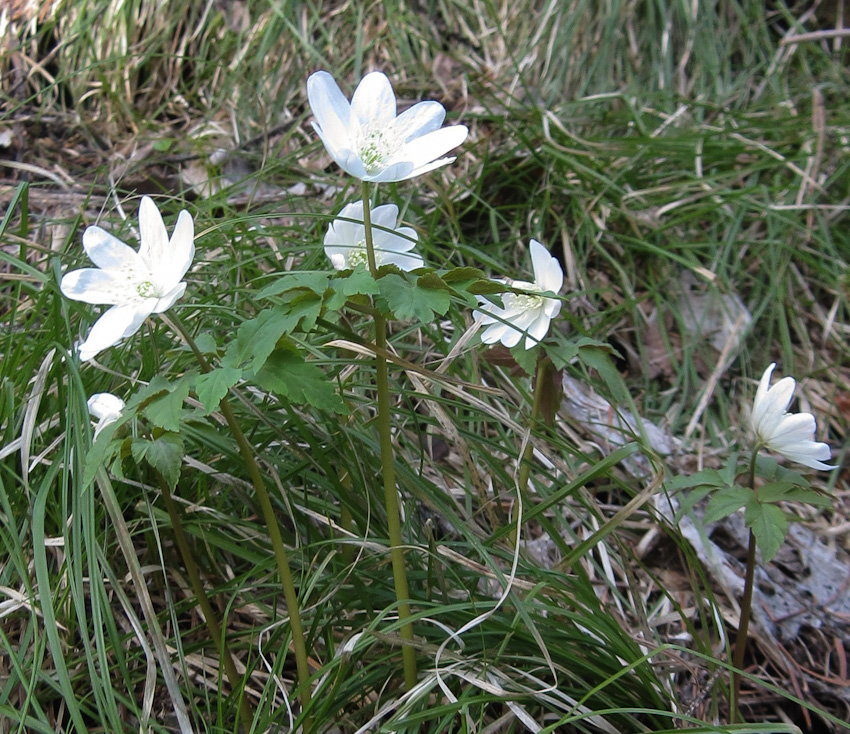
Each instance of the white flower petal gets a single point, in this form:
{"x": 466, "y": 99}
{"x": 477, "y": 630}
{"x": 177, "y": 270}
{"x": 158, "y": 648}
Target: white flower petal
{"x": 539, "y": 328}
{"x": 552, "y": 307}
{"x": 405, "y": 262}
{"x": 167, "y": 301}
{"x": 106, "y": 407}
{"x": 182, "y": 244}
{"x": 349, "y": 161}
{"x": 422, "y": 150}
{"x": 90, "y": 285}
{"x": 154, "y": 237}
{"x": 385, "y": 216}
{"x": 117, "y": 323}
{"x": 422, "y": 118}
{"x": 400, "y": 171}
{"x": 105, "y": 404}
{"x": 330, "y": 108}
{"x": 497, "y": 331}
{"x": 110, "y": 253}
{"x": 547, "y": 270}
{"x": 791, "y": 428}
{"x": 760, "y": 403}
{"x": 776, "y": 402}
{"x": 373, "y": 102}
{"x": 403, "y": 239}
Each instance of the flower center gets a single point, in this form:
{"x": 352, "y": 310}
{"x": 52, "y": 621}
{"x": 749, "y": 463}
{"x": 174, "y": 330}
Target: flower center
{"x": 523, "y": 301}
{"x": 377, "y": 147}
{"x": 145, "y": 289}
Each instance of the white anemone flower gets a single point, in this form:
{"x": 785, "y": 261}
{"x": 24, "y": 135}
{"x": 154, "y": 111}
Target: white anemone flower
{"x": 789, "y": 434}
{"x": 106, "y": 407}
{"x": 345, "y": 241}
{"x": 136, "y": 284}
{"x": 368, "y": 140}
{"x": 526, "y": 314}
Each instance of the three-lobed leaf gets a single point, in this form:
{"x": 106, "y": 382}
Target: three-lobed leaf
{"x": 769, "y": 526}
{"x": 726, "y": 501}
{"x": 164, "y": 453}
{"x": 287, "y": 374}
{"x": 214, "y": 385}
{"x": 412, "y": 302}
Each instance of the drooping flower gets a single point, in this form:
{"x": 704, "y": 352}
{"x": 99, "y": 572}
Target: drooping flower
{"x": 368, "y": 140}
{"x": 106, "y": 407}
{"x": 526, "y": 314}
{"x": 136, "y": 284}
{"x": 789, "y": 434}
{"x": 345, "y": 241}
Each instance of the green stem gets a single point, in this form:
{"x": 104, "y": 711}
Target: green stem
{"x": 746, "y": 604}
{"x": 203, "y": 601}
{"x": 528, "y": 453}
{"x": 270, "y": 518}
{"x": 536, "y": 403}
{"x": 388, "y": 469}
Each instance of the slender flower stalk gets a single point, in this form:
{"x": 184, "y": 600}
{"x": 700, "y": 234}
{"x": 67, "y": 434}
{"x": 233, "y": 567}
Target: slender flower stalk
{"x": 746, "y": 604}
{"x": 388, "y": 468}
{"x": 270, "y": 518}
{"x": 536, "y": 405}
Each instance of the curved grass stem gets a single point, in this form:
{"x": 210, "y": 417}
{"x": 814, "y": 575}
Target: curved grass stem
{"x": 388, "y": 468}
{"x": 298, "y": 640}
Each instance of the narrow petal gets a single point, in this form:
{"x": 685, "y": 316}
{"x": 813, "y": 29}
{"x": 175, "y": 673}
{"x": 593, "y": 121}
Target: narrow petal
{"x": 338, "y": 147}
{"x": 776, "y": 402}
{"x": 373, "y": 102}
{"x": 182, "y": 245}
{"x": 154, "y": 246}
{"x": 330, "y": 108}
{"x": 539, "y": 328}
{"x": 117, "y": 323}
{"x": 422, "y": 150}
{"x": 760, "y": 402}
{"x": 109, "y": 252}
{"x": 422, "y": 118}
{"x": 547, "y": 270}
{"x": 808, "y": 457}
{"x": 90, "y": 285}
